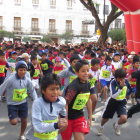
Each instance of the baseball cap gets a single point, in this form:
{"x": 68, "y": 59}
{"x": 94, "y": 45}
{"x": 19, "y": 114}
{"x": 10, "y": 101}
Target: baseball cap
{"x": 58, "y": 59}
{"x": 14, "y": 52}
{"x": 116, "y": 54}
{"x": 133, "y": 53}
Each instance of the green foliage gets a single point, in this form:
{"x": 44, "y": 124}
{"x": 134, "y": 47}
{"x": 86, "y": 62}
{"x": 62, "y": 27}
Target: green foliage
{"x": 6, "y": 34}
{"x": 117, "y": 35}
{"x": 26, "y": 39}
{"x": 46, "y": 38}
{"x": 67, "y": 36}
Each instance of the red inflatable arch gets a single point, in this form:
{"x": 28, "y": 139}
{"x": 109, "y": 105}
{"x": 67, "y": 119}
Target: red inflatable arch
{"x": 131, "y": 10}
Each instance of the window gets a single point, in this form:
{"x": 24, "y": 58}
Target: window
{"x": 84, "y": 28}
{"x": 35, "y": 1}
{"x": 106, "y": 10}
{"x": 1, "y": 22}
{"x": 52, "y": 25}
{"x": 17, "y": 2}
{"x": 68, "y": 26}
{"x": 97, "y": 8}
{"x": 52, "y": 3}
{"x": 69, "y": 4}
{"x": 17, "y": 23}
{"x": 118, "y": 23}
{"x": 34, "y": 24}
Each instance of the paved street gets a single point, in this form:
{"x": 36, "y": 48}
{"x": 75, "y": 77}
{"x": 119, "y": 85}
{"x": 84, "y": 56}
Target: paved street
{"x": 130, "y": 131}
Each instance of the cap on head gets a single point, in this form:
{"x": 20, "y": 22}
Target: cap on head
{"x": 58, "y": 59}
{"x": 132, "y": 53}
{"x": 14, "y": 52}
{"x": 116, "y": 54}
{"x": 21, "y": 64}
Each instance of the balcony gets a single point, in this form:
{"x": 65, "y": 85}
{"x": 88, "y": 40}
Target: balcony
{"x": 35, "y": 31}
{"x": 17, "y": 30}
{"x": 52, "y": 31}
{"x": 69, "y": 31}
{"x": 85, "y": 33}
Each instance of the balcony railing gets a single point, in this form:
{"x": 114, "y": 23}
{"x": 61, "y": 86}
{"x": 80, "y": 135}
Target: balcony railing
{"x": 69, "y": 31}
{"x": 35, "y": 30}
{"x": 84, "y": 32}
{"x": 52, "y": 31}
{"x": 17, "y": 29}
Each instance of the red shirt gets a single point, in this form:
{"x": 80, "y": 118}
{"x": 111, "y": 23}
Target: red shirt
{"x": 3, "y": 65}
{"x": 132, "y": 81}
{"x": 57, "y": 70}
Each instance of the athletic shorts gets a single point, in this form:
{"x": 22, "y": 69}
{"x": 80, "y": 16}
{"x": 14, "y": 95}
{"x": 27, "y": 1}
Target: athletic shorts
{"x": 92, "y": 90}
{"x": 113, "y": 106}
{"x": 2, "y": 80}
{"x": 76, "y": 125}
{"x": 15, "y": 111}
{"x": 104, "y": 82}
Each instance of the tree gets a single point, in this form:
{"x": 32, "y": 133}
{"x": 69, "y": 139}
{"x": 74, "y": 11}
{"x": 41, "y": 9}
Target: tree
{"x": 117, "y": 35}
{"x": 46, "y": 38}
{"x": 6, "y": 34}
{"x": 26, "y": 39}
{"x": 67, "y": 36}
{"x": 90, "y": 5}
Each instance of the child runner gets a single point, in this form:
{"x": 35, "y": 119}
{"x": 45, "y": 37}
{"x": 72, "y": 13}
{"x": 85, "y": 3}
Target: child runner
{"x": 46, "y": 64}
{"x": 69, "y": 73}
{"x": 105, "y": 75}
{"x": 116, "y": 61}
{"x": 77, "y": 97}
{"x": 16, "y": 93}
{"x": 48, "y": 111}
{"x": 95, "y": 72}
{"x": 3, "y": 66}
{"x": 116, "y": 102}
{"x": 132, "y": 81}
{"x": 37, "y": 72}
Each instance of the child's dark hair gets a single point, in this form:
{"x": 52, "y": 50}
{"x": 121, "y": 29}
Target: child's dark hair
{"x": 120, "y": 73}
{"x": 73, "y": 57}
{"x": 95, "y": 61}
{"x": 79, "y": 64}
{"x": 2, "y": 53}
{"x": 43, "y": 54}
{"x": 87, "y": 52}
{"x": 49, "y": 79}
{"x": 33, "y": 57}
{"x": 136, "y": 59}
{"x": 108, "y": 58}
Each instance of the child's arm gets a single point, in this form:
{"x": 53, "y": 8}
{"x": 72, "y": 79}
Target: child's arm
{"x": 32, "y": 89}
{"x": 63, "y": 74}
{"x": 89, "y": 109}
{"x": 38, "y": 124}
{"x": 4, "y": 86}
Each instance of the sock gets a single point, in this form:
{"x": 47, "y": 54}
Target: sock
{"x": 101, "y": 126}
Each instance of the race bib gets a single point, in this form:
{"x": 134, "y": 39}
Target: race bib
{"x": 36, "y": 73}
{"x": 105, "y": 74}
{"x": 47, "y": 136}
{"x": 44, "y": 66}
{"x": 80, "y": 101}
{"x": 19, "y": 94}
{"x": 2, "y": 68}
{"x": 72, "y": 78}
{"x": 92, "y": 81}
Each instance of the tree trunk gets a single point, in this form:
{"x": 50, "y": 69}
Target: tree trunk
{"x": 103, "y": 36}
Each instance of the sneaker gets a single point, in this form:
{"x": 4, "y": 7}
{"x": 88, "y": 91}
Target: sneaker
{"x": 3, "y": 98}
{"x": 22, "y": 138}
{"x": 93, "y": 118}
{"x": 117, "y": 130}
{"x": 100, "y": 131}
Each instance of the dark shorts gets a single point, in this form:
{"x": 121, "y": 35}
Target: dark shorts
{"x": 2, "y": 80}
{"x": 15, "y": 111}
{"x": 92, "y": 90}
{"x": 113, "y": 106}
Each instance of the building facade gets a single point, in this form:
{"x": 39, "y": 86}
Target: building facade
{"x": 35, "y": 18}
